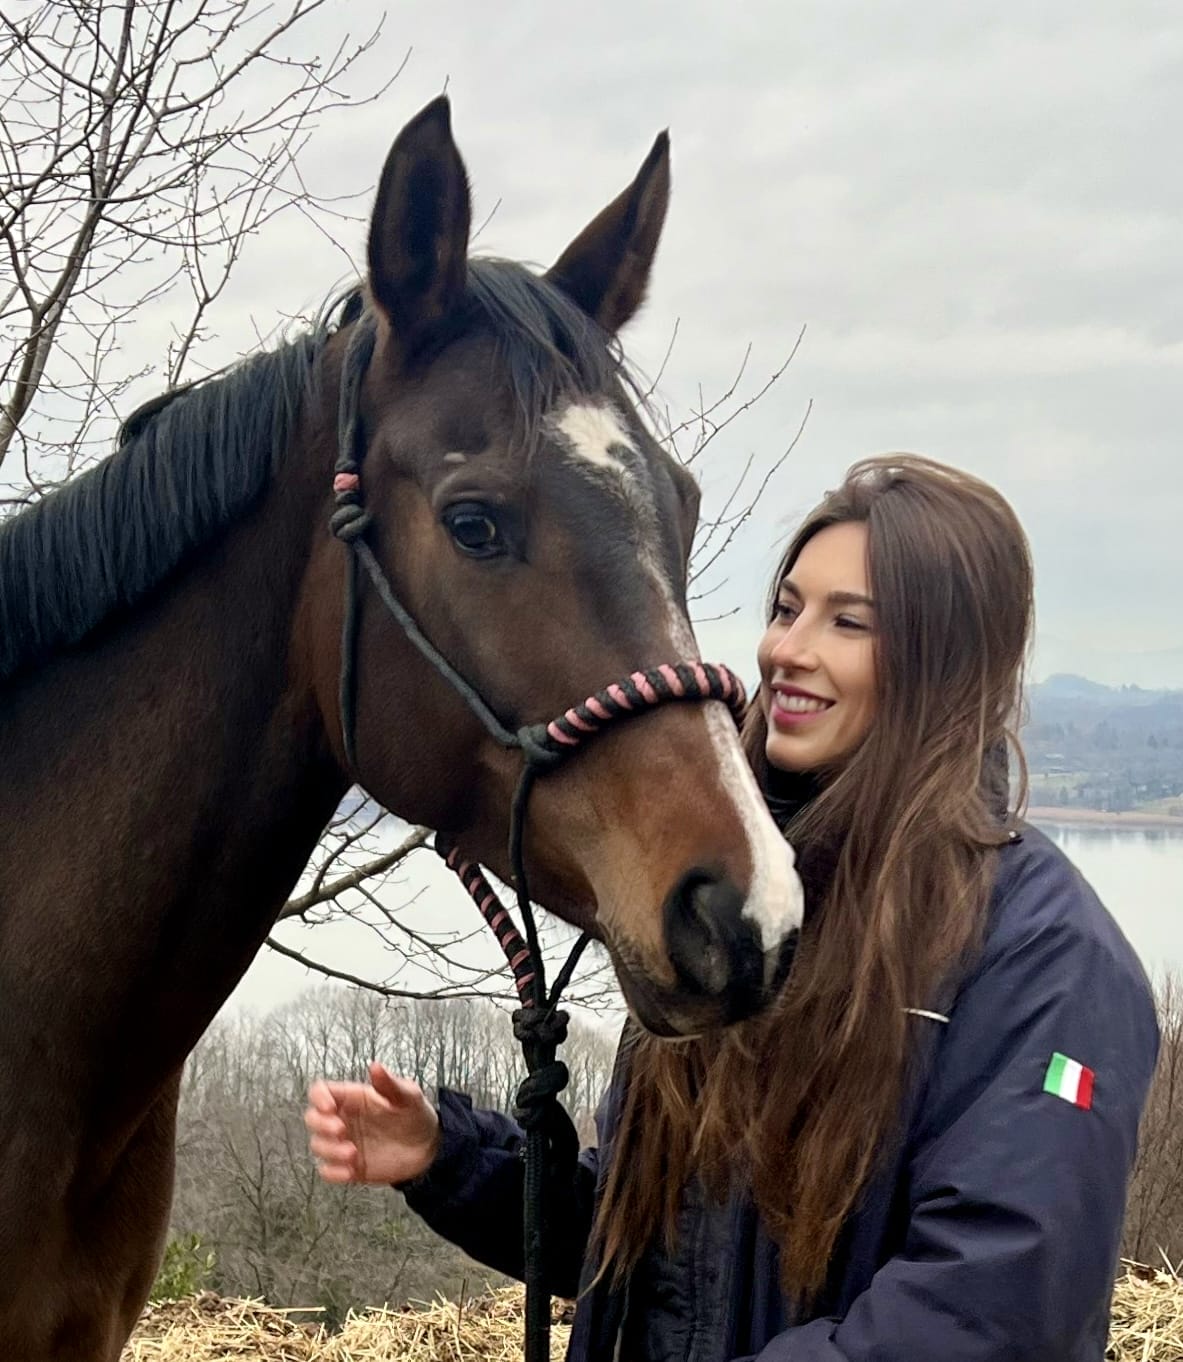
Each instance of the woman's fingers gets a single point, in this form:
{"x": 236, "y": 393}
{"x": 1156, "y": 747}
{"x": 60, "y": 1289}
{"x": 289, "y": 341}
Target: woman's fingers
{"x": 396, "y": 1091}
{"x": 336, "y": 1172}
{"x": 320, "y": 1096}
{"x": 321, "y": 1123}
{"x": 334, "y": 1151}
{"x": 370, "y": 1132}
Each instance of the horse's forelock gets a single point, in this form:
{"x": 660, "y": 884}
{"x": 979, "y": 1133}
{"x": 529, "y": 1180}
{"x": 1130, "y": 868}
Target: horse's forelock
{"x": 551, "y": 351}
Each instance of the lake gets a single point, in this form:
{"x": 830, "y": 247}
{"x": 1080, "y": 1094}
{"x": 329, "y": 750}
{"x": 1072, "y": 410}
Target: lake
{"x": 1138, "y": 874}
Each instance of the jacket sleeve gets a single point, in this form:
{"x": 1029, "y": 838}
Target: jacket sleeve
{"x": 1015, "y": 1196}
{"x": 472, "y": 1194}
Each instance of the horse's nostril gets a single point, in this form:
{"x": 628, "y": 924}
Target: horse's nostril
{"x": 713, "y": 949}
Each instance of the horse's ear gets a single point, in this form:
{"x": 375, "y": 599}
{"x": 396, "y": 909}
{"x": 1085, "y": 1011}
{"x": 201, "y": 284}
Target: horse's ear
{"x": 606, "y": 268}
{"x": 418, "y": 248}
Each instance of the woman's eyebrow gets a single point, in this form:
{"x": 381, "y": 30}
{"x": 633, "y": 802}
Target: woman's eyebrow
{"x": 833, "y": 598}
{"x": 849, "y": 598}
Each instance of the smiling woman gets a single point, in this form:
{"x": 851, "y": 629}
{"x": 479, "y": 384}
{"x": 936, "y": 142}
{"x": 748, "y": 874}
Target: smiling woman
{"x": 817, "y": 658}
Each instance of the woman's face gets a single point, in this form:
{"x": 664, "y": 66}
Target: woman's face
{"x": 817, "y": 658}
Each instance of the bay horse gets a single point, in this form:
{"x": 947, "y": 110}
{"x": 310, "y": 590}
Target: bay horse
{"x": 170, "y": 715}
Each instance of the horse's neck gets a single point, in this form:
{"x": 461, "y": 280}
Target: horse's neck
{"x": 163, "y": 789}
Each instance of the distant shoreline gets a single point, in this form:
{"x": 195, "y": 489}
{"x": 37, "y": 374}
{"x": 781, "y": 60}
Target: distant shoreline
{"x": 1134, "y": 818}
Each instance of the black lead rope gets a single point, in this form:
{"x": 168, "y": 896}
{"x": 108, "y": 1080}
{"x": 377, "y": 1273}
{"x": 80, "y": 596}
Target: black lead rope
{"x": 539, "y": 1025}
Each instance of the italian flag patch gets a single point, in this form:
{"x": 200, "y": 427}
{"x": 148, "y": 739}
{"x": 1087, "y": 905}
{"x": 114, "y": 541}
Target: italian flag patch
{"x": 1069, "y": 1079}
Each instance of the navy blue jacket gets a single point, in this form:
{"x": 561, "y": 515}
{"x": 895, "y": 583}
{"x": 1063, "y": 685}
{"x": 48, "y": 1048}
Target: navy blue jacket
{"x": 990, "y": 1235}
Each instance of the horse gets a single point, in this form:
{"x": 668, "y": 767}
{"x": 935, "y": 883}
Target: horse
{"x": 171, "y": 705}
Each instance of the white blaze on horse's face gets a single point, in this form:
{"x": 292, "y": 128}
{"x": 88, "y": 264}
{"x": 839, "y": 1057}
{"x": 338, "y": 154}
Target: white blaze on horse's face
{"x": 595, "y": 434}
{"x": 597, "y": 439}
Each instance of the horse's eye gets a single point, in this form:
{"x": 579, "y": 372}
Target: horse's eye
{"x": 474, "y": 529}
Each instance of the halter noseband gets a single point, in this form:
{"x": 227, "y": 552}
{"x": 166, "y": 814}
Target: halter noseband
{"x": 538, "y": 1024}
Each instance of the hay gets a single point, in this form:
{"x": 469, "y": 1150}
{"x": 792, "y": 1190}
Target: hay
{"x": 1147, "y": 1327}
{"x": 1147, "y": 1322}
{"x": 206, "y": 1328}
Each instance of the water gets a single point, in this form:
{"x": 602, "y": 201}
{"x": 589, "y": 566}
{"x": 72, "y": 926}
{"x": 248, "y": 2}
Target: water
{"x": 1138, "y": 875}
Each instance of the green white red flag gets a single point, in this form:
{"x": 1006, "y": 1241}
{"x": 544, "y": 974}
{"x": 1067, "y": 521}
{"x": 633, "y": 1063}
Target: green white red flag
{"x": 1069, "y": 1079}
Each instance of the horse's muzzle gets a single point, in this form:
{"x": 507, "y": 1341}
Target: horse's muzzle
{"x": 722, "y": 971}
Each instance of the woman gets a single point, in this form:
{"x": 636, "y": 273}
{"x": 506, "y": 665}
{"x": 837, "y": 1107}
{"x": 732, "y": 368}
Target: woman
{"x": 921, "y": 1152}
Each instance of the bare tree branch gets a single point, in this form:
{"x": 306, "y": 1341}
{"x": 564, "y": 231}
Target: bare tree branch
{"x": 370, "y": 985}
{"x": 327, "y": 893}
{"x": 141, "y": 144}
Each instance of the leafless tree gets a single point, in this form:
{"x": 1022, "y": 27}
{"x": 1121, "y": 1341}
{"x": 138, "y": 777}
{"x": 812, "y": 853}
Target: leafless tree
{"x": 1154, "y": 1220}
{"x": 142, "y": 144}
{"x": 691, "y": 438}
{"x": 246, "y": 1184}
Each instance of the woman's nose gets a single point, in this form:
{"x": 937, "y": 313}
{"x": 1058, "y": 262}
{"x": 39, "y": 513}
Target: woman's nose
{"x": 796, "y": 649}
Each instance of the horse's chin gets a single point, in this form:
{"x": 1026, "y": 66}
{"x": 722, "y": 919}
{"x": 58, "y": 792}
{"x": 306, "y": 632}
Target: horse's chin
{"x": 673, "y": 1014}
{"x": 662, "y": 1027}
{"x": 674, "y": 1021}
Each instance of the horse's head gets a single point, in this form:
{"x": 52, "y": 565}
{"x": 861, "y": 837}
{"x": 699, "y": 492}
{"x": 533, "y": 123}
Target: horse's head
{"x": 539, "y": 537}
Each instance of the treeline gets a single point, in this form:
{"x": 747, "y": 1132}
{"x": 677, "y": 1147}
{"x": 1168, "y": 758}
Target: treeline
{"x": 1103, "y": 747}
{"x": 252, "y": 1218}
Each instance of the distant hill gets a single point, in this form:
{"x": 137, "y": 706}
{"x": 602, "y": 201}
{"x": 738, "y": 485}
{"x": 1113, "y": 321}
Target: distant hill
{"x": 1161, "y": 668}
{"x": 1113, "y": 748}
{"x": 1066, "y": 686}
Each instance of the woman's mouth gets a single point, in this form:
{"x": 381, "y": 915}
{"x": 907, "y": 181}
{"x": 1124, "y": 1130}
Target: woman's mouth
{"x": 792, "y": 710}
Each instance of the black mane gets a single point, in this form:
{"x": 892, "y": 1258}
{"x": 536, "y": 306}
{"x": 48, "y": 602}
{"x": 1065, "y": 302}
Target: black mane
{"x": 191, "y": 462}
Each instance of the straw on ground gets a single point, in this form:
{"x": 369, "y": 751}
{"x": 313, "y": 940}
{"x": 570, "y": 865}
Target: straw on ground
{"x": 1147, "y": 1327}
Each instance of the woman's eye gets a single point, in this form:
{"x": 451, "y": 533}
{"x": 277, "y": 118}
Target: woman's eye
{"x": 849, "y": 622}
{"x": 784, "y": 610}
{"x": 474, "y": 530}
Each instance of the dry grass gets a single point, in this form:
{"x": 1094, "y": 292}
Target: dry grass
{"x": 1147, "y": 1327}
{"x": 207, "y": 1328}
{"x": 1147, "y": 1323}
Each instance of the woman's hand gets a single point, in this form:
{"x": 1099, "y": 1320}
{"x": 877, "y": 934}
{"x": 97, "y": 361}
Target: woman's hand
{"x": 382, "y": 1131}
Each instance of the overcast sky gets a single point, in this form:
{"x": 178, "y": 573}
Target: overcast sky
{"x": 974, "y": 216}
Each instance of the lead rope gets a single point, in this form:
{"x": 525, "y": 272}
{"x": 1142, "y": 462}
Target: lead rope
{"x": 539, "y": 1025}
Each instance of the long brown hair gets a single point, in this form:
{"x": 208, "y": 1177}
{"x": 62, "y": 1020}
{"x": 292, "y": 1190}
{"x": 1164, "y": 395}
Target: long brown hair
{"x": 898, "y": 849}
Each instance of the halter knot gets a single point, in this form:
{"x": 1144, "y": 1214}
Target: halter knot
{"x": 540, "y": 1026}
{"x": 537, "y": 1095}
{"x": 349, "y": 522}
{"x": 539, "y": 748}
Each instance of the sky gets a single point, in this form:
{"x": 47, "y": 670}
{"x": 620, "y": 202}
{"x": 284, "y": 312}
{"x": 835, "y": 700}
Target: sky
{"x": 974, "y": 215}
{"x": 968, "y": 216}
